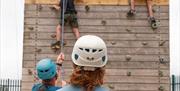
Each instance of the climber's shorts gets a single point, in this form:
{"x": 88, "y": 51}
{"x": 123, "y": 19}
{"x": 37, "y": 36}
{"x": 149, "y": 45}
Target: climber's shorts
{"x": 71, "y": 19}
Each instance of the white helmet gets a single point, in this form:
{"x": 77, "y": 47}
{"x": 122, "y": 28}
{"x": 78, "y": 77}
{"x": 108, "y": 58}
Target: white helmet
{"x": 90, "y": 51}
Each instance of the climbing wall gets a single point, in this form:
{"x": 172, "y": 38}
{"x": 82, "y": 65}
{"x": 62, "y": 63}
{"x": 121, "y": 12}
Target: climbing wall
{"x": 138, "y": 55}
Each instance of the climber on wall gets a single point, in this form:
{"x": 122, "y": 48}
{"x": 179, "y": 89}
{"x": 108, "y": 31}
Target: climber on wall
{"x": 151, "y": 18}
{"x": 70, "y": 16}
{"x": 89, "y": 58}
{"x": 48, "y": 73}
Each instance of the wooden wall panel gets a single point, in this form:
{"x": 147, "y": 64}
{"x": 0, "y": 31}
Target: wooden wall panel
{"x": 147, "y": 49}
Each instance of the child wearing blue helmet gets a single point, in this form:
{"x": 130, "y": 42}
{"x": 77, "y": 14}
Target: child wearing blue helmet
{"x": 46, "y": 71}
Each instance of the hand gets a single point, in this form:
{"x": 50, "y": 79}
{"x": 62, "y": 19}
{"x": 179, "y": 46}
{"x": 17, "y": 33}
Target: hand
{"x": 60, "y": 58}
{"x": 63, "y": 83}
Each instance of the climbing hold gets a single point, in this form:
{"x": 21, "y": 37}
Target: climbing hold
{"x": 161, "y": 59}
{"x": 153, "y": 10}
{"x": 111, "y": 86}
{"x": 131, "y": 13}
{"x": 160, "y": 73}
{"x": 128, "y": 57}
{"x": 128, "y": 30}
{"x": 103, "y": 22}
{"x": 154, "y": 25}
{"x": 128, "y": 73}
{"x": 144, "y": 43}
{"x": 40, "y": 7}
{"x": 38, "y": 50}
{"x": 30, "y": 72}
{"x": 87, "y": 8}
{"x": 161, "y": 88}
{"x": 153, "y": 22}
{"x": 113, "y": 43}
{"x": 162, "y": 43}
{"x": 30, "y": 28}
{"x": 53, "y": 36}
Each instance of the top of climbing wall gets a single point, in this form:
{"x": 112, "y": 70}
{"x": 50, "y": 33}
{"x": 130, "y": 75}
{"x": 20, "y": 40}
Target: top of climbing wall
{"x": 99, "y": 2}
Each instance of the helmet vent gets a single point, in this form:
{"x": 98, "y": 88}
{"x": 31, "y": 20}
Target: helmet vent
{"x": 104, "y": 58}
{"x": 81, "y": 49}
{"x": 76, "y": 56}
{"x": 90, "y": 59}
{"x": 87, "y": 50}
{"x": 94, "y": 50}
{"x": 47, "y": 70}
{"x": 100, "y": 50}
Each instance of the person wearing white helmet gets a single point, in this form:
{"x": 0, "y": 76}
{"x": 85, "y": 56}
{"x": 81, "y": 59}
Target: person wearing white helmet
{"x": 89, "y": 58}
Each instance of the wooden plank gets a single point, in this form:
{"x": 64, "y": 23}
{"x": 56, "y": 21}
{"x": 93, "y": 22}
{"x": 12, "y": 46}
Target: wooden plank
{"x": 30, "y": 21}
{"x": 113, "y": 44}
{"x": 27, "y": 86}
{"x": 106, "y": 36}
{"x": 165, "y": 80}
{"x": 96, "y": 15}
{"x": 30, "y": 7}
{"x": 30, "y": 14}
{"x": 119, "y": 72}
{"x": 29, "y": 50}
{"x": 29, "y": 64}
{"x": 137, "y": 87}
{"x": 117, "y": 51}
{"x": 95, "y": 22}
{"x": 117, "y": 79}
{"x": 105, "y": 8}
{"x": 100, "y": 29}
{"x": 144, "y": 58}
{"x": 28, "y": 56}
{"x": 110, "y": 64}
{"x": 29, "y": 35}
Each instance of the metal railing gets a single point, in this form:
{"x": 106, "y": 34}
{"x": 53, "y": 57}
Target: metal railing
{"x": 175, "y": 83}
{"x": 10, "y": 85}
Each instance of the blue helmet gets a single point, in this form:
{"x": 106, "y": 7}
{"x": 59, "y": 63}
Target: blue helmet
{"x": 46, "y": 69}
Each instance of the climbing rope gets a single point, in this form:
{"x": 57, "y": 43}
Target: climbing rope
{"x": 62, "y": 37}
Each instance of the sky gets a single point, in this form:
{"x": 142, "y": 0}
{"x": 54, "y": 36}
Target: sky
{"x": 11, "y": 38}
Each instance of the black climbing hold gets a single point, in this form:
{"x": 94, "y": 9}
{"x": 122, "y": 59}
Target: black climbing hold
{"x": 144, "y": 43}
{"x": 128, "y": 57}
{"x": 87, "y": 8}
{"x": 30, "y": 28}
{"x": 160, "y": 73}
{"x": 103, "y": 22}
{"x": 161, "y": 88}
{"x": 128, "y": 73}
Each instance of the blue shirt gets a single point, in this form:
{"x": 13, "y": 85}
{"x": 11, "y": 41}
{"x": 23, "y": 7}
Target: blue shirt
{"x": 48, "y": 88}
{"x": 74, "y": 88}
